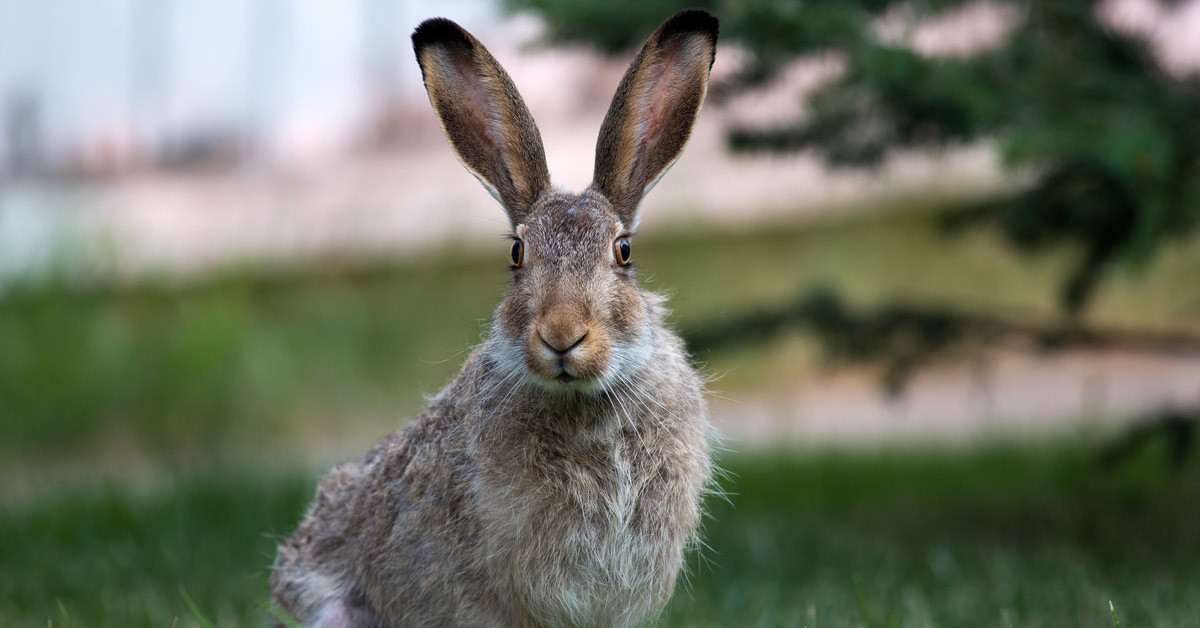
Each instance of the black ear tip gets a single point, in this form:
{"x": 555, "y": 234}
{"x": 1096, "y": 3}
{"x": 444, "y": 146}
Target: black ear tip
{"x": 438, "y": 30}
{"x": 692, "y": 20}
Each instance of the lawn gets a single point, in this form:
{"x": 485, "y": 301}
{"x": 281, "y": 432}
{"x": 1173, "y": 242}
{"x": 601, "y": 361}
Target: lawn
{"x": 1002, "y": 536}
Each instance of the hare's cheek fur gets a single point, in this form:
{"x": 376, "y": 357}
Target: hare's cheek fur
{"x": 580, "y": 319}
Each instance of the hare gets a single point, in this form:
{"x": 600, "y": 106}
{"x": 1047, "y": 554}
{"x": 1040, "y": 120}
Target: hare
{"x": 558, "y": 479}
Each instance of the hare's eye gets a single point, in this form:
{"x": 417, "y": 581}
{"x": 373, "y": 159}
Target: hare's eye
{"x": 517, "y": 253}
{"x": 621, "y": 251}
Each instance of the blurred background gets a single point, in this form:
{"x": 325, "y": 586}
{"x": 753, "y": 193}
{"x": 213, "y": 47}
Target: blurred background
{"x": 940, "y": 257}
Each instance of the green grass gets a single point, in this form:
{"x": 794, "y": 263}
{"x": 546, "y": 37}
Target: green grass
{"x": 119, "y": 556}
{"x": 994, "y": 538}
{"x": 1022, "y": 537}
{"x": 251, "y": 359}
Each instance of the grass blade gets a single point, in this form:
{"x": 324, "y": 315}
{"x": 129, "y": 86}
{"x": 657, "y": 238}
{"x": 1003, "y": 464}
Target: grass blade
{"x": 62, "y": 608}
{"x": 860, "y": 596}
{"x": 195, "y": 609}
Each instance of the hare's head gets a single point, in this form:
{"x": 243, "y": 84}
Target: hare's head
{"x": 574, "y": 317}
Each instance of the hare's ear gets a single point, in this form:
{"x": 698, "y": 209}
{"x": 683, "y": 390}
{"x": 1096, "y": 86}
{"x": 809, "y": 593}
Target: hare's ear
{"x": 483, "y": 116}
{"x": 651, "y": 117}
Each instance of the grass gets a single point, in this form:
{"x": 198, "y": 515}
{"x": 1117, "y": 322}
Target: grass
{"x": 1000, "y": 538}
{"x": 251, "y": 360}
{"x": 121, "y": 556}
{"x": 1003, "y": 536}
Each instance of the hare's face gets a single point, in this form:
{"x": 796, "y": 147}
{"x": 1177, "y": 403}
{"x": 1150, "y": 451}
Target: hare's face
{"x": 574, "y": 307}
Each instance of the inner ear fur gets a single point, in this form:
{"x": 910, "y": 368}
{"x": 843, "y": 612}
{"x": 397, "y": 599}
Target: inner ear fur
{"x": 484, "y": 117}
{"x": 654, "y": 110}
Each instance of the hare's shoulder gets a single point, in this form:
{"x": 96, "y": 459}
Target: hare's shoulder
{"x": 420, "y": 458}
{"x": 403, "y": 467}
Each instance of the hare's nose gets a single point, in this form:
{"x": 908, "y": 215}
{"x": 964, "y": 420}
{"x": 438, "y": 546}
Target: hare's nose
{"x": 559, "y": 345}
{"x": 560, "y": 335}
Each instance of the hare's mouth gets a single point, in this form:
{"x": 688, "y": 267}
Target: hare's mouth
{"x": 565, "y": 383}
{"x": 568, "y": 380}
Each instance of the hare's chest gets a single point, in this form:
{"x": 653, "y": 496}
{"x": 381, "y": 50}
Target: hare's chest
{"x": 573, "y": 539}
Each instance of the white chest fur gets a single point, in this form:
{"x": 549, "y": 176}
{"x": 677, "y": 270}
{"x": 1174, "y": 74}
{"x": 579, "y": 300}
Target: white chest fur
{"x": 566, "y": 537}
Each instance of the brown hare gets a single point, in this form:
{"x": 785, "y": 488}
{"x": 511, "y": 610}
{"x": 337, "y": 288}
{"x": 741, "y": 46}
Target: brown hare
{"x": 557, "y": 480}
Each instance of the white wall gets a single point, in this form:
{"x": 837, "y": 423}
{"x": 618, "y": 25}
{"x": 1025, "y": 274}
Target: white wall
{"x": 138, "y": 69}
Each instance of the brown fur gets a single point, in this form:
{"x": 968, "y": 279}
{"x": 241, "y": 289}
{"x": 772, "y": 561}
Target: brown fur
{"x": 557, "y": 480}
